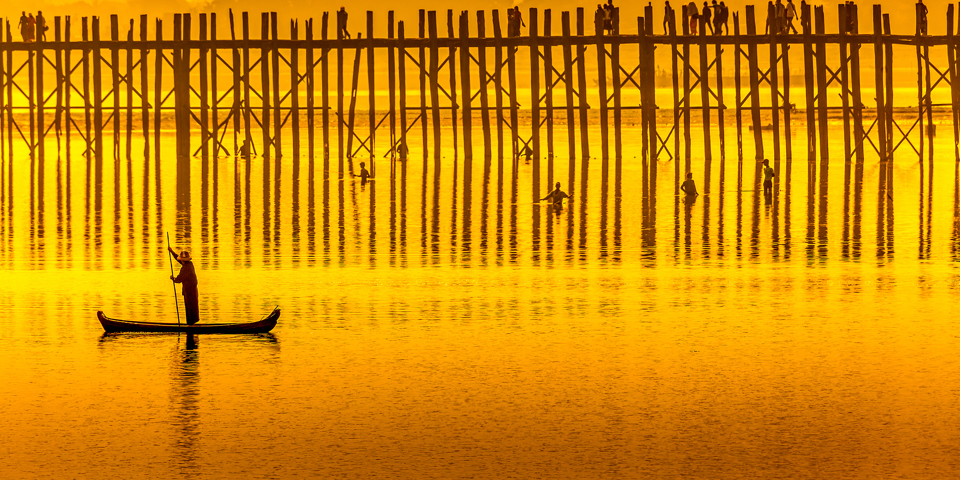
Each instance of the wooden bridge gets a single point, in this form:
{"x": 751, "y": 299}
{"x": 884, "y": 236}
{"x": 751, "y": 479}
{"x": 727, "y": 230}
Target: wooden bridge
{"x": 121, "y": 80}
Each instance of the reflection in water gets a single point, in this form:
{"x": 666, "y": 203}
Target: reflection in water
{"x": 462, "y": 220}
{"x": 185, "y": 399}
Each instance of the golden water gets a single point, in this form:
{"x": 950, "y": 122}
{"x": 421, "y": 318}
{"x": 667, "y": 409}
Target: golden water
{"x": 433, "y": 328}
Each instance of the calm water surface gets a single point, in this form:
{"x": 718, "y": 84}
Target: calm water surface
{"x": 440, "y": 324}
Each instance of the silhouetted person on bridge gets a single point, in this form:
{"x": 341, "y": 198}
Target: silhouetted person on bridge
{"x": 516, "y": 21}
{"x": 556, "y": 197}
{"x": 804, "y": 15}
{"x": 705, "y": 18}
{"x": 188, "y": 277}
{"x": 791, "y": 13}
{"x": 689, "y": 187}
{"x": 342, "y": 23}
{"x": 768, "y": 175}
{"x": 725, "y": 19}
{"x": 922, "y": 17}
{"x": 669, "y": 18}
{"x": 771, "y": 18}
{"x": 694, "y": 17}
{"x": 41, "y": 27}
{"x": 25, "y": 32}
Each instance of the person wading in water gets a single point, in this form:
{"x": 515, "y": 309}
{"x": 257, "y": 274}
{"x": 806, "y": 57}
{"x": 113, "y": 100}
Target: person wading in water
{"x": 556, "y": 198}
{"x": 188, "y": 277}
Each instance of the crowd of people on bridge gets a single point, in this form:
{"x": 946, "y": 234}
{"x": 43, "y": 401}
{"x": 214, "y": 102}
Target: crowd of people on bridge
{"x": 712, "y": 15}
{"x": 33, "y": 28}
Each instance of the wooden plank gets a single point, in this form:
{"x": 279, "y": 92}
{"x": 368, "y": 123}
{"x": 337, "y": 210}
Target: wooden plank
{"x": 776, "y": 104}
{"x": 129, "y": 112}
{"x": 265, "y": 93}
{"x": 512, "y": 81}
{"x": 821, "y": 69}
{"x": 705, "y": 106}
{"x": 325, "y": 99}
{"x": 548, "y": 93}
{"x": 98, "y": 98}
{"x": 651, "y": 107}
{"x": 294, "y": 115}
{"x": 808, "y": 84}
{"x": 204, "y": 101}
{"x": 878, "y": 67}
{"x": 115, "y": 88}
{"x": 920, "y": 96}
{"x": 484, "y": 96}
{"x": 888, "y": 47}
{"x": 275, "y": 84}
{"x": 58, "y": 66}
{"x": 157, "y": 96}
{"x": 351, "y": 114}
{"x": 247, "y": 107}
{"x": 721, "y": 107}
{"x": 183, "y": 130}
{"x": 295, "y": 95}
{"x": 928, "y": 100}
{"x": 434, "y": 84}
{"x": 855, "y": 84}
{"x": 787, "y": 104}
{"x": 845, "y": 81}
{"x": 534, "y": 33}
{"x": 236, "y": 66}
{"x": 498, "y": 86}
{"x": 9, "y": 85}
{"x": 687, "y": 168}
{"x": 5, "y": 141}
{"x": 568, "y": 97}
{"x": 754, "y": 86}
{"x": 308, "y": 64}
{"x": 67, "y": 89}
{"x": 371, "y": 93}
{"x": 452, "y": 64}
{"x": 9, "y": 116}
{"x": 423, "y": 87}
{"x": 214, "y": 95}
{"x": 402, "y": 67}
{"x": 35, "y": 97}
{"x": 144, "y": 103}
{"x": 677, "y": 108}
{"x": 582, "y": 101}
{"x": 617, "y": 104}
{"x": 602, "y": 85}
{"x": 392, "y": 85}
{"x": 647, "y": 152}
{"x": 465, "y": 91}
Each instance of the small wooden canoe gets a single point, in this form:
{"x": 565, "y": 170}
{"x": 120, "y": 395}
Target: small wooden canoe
{"x": 260, "y": 326}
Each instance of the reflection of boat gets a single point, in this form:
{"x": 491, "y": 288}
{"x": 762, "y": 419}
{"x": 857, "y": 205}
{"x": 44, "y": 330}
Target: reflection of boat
{"x": 763, "y": 127}
{"x": 260, "y": 326}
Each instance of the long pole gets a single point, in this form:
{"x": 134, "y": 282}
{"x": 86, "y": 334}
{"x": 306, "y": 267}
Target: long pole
{"x": 175, "y": 302}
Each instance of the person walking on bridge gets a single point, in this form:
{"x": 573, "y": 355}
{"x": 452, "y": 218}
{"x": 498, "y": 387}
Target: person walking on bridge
{"x": 669, "y": 18}
{"x": 694, "y": 17}
{"x": 25, "y": 32}
{"x": 342, "y": 23}
{"x": 791, "y": 13}
{"x": 922, "y": 17}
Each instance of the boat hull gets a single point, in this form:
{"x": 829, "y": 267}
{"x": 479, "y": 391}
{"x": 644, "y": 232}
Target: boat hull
{"x": 111, "y": 325}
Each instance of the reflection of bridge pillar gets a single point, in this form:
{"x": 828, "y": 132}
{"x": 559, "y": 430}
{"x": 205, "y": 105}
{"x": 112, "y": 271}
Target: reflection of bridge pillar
{"x": 181, "y": 76}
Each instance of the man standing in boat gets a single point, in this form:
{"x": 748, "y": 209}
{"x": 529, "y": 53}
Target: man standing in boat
{"x": 188, "y": 277}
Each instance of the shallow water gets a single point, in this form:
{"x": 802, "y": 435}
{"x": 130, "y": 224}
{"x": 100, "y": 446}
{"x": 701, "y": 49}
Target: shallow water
{"x": 436, "y": 325}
